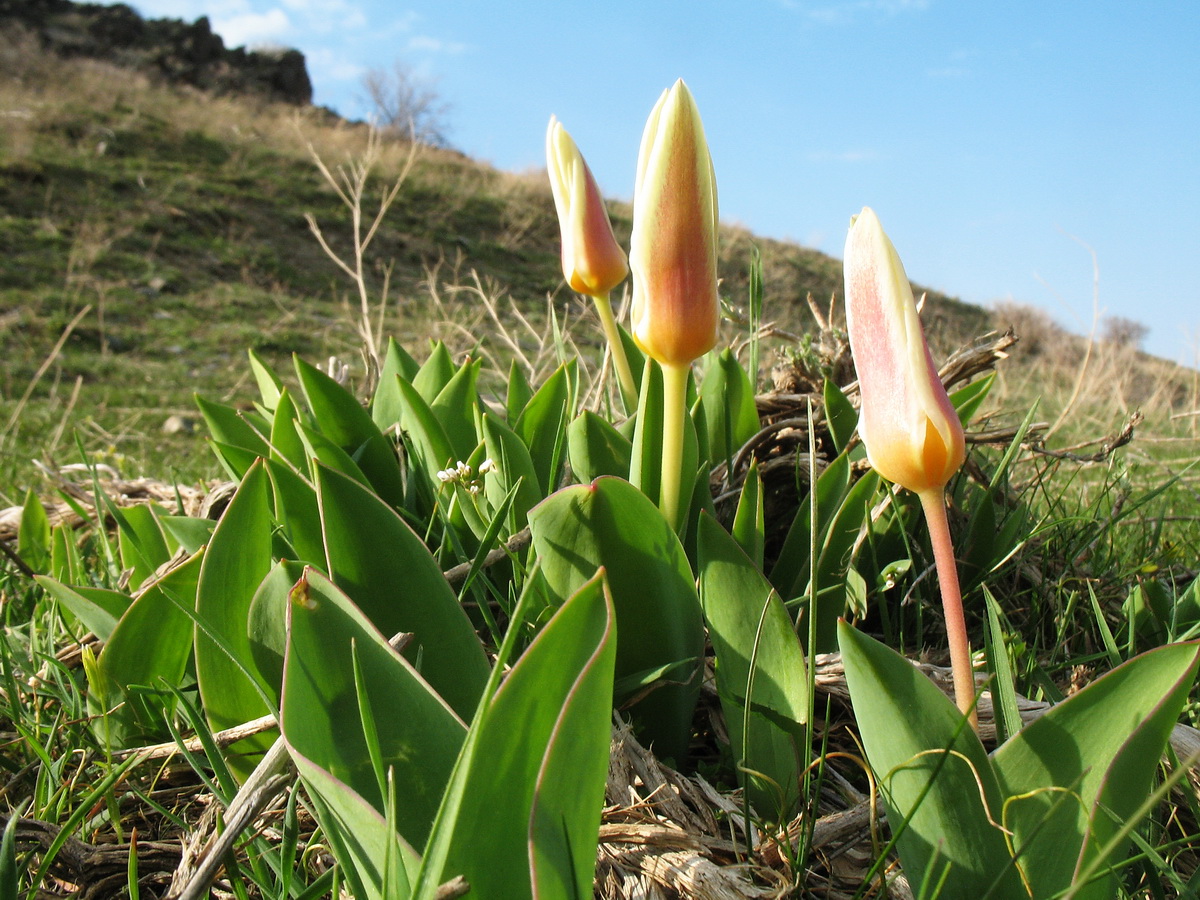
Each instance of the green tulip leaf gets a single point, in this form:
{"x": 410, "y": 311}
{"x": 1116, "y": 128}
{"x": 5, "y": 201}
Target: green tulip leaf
{"x": 943, "y": 800}
{"x": 840, "y": 414}
{"x": 520, "y": 815}
{"x": 519, "y": 393}
{"x": 415, "y": 735}
{"x": 98, "y": 609}
{"x": 242, "y": 430}
{"x": 611, "y": 524}
{"x": 33, "y": 532}
{"x": 758, "y": 657}
{"x": 286, "y": 443}
{"x": 1103, "y": 745}
{"x": 749, "y": 527}
{"x": 455, "y": 406}
{"x": 513, "y": 465}
{"x": 429, "y": 447}
{"x": 342, "y": 419}
{"x": 968, "y": 399}
{"x": 188, "y": 532}
{"x": 730, "y": 414}
{"x": 541, "y": 426}
{"x": 149, "y": 650}
{"x": 595, "y": 448}
{"x": 434, "y": 374}
{"x": 237, "y": 560}
{"x": 385, "y": 568}
{"x": 385, "y": 404}
{"x": 140, "y": 539}
{"x": 296, "y": 512}
{"x": 269, "y": 385}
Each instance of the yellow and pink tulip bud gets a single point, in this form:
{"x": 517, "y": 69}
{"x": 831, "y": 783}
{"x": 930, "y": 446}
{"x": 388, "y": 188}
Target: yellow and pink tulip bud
{"x": 673, "y": 251}
{"x": 912, "y": 433}
{"x": 592, "y": 260}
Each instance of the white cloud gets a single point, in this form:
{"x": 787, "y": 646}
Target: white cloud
{"x": 424, "y": 42}
{"x": 253, "y": 27}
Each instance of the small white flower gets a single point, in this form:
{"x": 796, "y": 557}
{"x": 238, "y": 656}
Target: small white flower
{"x": 488, "y": 465}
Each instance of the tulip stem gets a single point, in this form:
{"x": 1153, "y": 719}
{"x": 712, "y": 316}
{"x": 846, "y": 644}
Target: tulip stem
{"x": 616, "y": 347}
{"x": 675, "y": 379}
{"x": 934, "y": 504}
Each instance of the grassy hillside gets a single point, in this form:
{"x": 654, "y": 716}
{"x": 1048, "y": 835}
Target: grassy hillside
{"x": 165, "y": 231}
{"x": 152, "y": 234}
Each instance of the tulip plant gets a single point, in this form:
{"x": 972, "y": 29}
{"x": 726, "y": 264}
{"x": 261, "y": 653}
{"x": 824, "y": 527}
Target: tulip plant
{"x": 435, "y": 602}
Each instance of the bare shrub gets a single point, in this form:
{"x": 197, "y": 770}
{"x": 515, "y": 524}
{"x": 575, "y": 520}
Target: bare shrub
{"x": 1037, "y": 332}
{"x": 1122, "y": 332}
{"x": 406, "y": 103}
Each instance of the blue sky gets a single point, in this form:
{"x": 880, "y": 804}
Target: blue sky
{"x": 997, "y": 141}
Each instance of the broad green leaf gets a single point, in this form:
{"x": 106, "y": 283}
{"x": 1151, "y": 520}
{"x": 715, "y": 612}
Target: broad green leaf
{"x": 418, "y": 735}
{"x": 269, "y": 385}
{"x": 646, "y": 459}
{"x": 455, "y": 406}
{"x": 520, "y": 816}
{"x": 1103, "y": 745}
{"x": 637, "y": 361}
{"x": 33, "y": 533}
{"x": 730, "y": 414}
{"x": 143, "y": 546}
{"x": 595, "y": 448}
{"x": 286, "y": 443}
{"x": 843, "y": 509}
{"x": 296, "y": 512}
{"x": 518, "y": 394}
{"x": 358, "y": 834}
{"x": 385, "y": 405}
{"x": 749, "y": 528}
{"x": 942, "y": 797}
{"x": 645, "y": 467}
{"x": 513, "y": 463}
{"x": 236, "y": 461}
{"x": 97, "y": 608}
{"x": 237, "y": 560}
{"x": 243, "y": 430}
{"x": 385, "y": 568}
{"x": 968, "y": 399}
{"x": 342, "y": 419}
{"x": 541, "y": 425}
{"x": 150, "y": 647}
{"x": 66, "y": 563}
{"x": 758, "y": 657}
{"x": 610, "y": 523}
{"x": 435, "y": 373}
{"x": 189, "y": 532}
{"x": 429, "y": 447}
{"x": 840, "y": 414}
{"x": 266, "y": 623}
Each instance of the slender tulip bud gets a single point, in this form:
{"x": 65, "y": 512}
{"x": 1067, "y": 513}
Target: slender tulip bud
{"x": 912, "y": 433}
{"x": 593, "y": 263}
{"x": 673, "y": 252}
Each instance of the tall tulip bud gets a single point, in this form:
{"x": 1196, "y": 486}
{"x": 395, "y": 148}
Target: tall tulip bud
{"x": 592, "y": 260}
{"x": 673, "y": 251}
{"x": 912, "y": 433}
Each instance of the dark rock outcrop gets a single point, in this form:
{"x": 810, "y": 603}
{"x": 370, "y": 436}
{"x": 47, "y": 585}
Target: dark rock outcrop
{"x": 173, "y": 50}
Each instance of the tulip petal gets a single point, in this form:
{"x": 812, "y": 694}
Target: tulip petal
{"x": 673, "y": 252}
{"x": 912, "y": 433}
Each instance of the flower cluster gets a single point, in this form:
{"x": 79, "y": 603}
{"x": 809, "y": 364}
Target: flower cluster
{"x": 462, "y": 473}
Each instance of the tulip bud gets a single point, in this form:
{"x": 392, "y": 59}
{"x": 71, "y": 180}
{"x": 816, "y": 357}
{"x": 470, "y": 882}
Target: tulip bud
{"x": 593, "y": 263}
{"x": 673, "y": 251}
{"x": 912, "y": 433}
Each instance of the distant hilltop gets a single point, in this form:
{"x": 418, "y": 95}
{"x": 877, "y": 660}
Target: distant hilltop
{"x": 170, "y": 49}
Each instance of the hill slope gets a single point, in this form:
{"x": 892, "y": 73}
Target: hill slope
{"x": 158, "y": 231}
